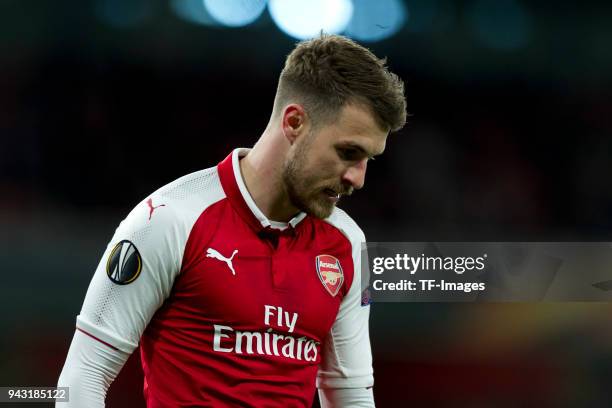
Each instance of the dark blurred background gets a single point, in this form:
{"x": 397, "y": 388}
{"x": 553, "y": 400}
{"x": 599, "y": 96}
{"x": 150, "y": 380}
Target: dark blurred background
{"x": 102, "y": 102}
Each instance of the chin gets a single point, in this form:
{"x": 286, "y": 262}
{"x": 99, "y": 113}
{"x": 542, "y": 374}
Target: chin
{"x": 320, "y": 210}
{"x": 312, "y": 205}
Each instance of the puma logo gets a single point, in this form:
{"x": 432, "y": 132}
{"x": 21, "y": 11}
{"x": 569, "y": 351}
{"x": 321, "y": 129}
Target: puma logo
{"x": 151, "y": 208}
{"x": 213, "y": 253}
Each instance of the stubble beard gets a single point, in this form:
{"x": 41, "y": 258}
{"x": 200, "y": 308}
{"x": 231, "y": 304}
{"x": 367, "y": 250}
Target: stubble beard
{"x": 299, "y": 185}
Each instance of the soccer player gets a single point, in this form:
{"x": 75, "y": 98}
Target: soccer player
{"x": 241, "y": 282}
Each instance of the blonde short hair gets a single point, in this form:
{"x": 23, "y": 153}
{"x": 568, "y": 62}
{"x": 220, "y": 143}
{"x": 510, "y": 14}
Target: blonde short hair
{"x": 325, "y": 73}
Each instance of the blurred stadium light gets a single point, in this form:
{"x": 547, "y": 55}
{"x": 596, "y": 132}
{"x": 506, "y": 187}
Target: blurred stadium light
{"x": 363, "y": 20}
{"x": 501, "y": 24}
{"x": 235, "y": 13}
{"x": 193, "y": 11}
{"x": 123, "y": 14}
{"x": 305, "y": 19}
{"x": 376, "y": 20}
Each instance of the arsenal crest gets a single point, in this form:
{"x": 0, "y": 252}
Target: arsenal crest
{"x": 330, "y": 273}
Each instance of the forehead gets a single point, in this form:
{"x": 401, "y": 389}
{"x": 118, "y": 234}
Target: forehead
{"x": 356, "y": 125}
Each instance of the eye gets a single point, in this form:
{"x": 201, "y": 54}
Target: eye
{"x": 349, "y": 154}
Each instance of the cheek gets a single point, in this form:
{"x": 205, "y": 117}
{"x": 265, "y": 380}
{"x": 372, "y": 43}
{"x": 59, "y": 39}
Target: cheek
{"x": 327, "y": 166}
{"x": 321, "y": 173}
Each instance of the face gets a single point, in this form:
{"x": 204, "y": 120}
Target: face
{"x": 325, "y": 164}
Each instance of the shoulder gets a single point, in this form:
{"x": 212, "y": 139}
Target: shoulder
{"x": 193, "y": 191}
{"x": 343, "y": 222}
{"x": 166, "y": 216}
{"x": 182, "y": 200}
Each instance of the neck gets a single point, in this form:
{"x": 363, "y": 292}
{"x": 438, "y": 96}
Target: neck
{"x": 261, "y": 170}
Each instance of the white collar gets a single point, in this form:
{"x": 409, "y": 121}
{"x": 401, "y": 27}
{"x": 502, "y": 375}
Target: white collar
{"x": 237, "y": 154}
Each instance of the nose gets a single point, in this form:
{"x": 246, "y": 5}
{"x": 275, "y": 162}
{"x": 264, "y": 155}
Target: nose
{"x": 355, "y": 174}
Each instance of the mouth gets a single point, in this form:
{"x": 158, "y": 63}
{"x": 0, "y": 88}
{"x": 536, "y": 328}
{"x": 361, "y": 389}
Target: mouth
{"x": 332, "y": 195}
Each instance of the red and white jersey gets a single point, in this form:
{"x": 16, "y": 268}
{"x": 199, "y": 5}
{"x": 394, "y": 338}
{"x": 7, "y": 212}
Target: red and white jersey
{"x": 227, "y": 309}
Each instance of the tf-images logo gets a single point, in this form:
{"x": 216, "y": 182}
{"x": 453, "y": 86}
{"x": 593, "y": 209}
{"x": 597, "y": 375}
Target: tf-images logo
{"x": 124, "y": 263}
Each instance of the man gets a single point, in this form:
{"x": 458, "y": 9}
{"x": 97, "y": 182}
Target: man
{"x": 241, "y": 282}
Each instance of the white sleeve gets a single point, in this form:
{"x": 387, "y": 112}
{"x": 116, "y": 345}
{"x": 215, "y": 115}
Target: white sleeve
{"x": 134, "y": 276}
{"x": 132, "y": 280}
{"x": 347, "y": 355}
{"x": 346, "y": 397}
{"x": 89, "y": 370}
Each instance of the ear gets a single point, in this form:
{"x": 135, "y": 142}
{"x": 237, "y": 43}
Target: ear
{"x": 293, "y": 122}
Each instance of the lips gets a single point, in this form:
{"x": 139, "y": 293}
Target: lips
{"x": 331, "y": 193}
